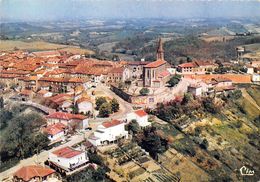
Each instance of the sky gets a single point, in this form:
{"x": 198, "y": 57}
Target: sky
{"x": 45, "y": 10}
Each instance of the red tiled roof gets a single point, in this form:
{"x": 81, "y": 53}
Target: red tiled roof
{"x": 66, "y": 116}
{"x": 164, "y": 74}
{"x": 28, "y": 172}
{"x": 141, "y": 113}
{"x": 137, "y": 63}
{"x": 155, "y": 64}
{"x": 67, "y": 152}
{"x": 187, "y": 65}
{"x": 26, "y": 92}
{"x": 236, "y": 78}
{"x": 119, "y": 70}
{"x": 54, "y": 129}
{"x": 112, "y": 123}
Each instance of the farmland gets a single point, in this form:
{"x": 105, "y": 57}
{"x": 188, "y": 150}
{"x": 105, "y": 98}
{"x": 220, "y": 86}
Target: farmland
{"x": 6, "y": 45}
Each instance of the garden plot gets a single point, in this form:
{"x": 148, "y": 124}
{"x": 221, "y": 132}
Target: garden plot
{"x": 177, "y": 163}
{"x": 137, "y": 165}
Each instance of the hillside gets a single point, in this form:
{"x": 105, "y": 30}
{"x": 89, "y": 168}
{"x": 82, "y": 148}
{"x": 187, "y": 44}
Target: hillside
{"x": 222, "y": 136}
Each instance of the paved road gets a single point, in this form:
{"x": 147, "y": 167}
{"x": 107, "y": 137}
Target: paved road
{"x": 42, "y": 156}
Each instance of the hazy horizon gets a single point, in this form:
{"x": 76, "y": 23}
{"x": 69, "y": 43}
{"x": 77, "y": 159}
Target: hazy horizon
{"x": 49, "y": 10}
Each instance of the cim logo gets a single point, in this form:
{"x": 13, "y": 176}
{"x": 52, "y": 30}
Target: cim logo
{"x": 244, "y": 171}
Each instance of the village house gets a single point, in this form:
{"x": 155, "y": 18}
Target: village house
{"x": 120, "y": 74}
{"x": 195, "y": 90}
{"x": 256, "y": 78}
{"x": 44, "y": 93}
{"x": 34, "y": 173}
{"x": 196, "y": 67}
{"x": 67, "y": 159}
{"x": 55, "y": 131}
{"x": 84, "y": 105}
{"x": 109, "y": 132}
{"x": 76, "y": 121}
{"x": 141, "y": 118}
{"x": 136, "y": 68}
{"x": 220, "y": 85}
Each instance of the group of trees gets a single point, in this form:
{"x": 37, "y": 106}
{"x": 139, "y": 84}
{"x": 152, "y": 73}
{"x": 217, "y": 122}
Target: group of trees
{"x": 174, "y": 80}
{"x": 176, "y": 108}
{"x": 20, "y": 136}
{"x": 105, "y": 108}
{"x": 152, "y": 142}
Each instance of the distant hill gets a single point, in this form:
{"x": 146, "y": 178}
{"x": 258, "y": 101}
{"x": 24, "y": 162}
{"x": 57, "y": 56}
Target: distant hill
{"x": 223, "y": 31}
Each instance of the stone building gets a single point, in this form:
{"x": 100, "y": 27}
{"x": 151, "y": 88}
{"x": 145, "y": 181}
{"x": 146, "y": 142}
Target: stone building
{"x": 155, "y": 74}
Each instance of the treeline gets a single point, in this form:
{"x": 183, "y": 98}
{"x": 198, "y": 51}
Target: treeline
{"x": 20, "y": 136}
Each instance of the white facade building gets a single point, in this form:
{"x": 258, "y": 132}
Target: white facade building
{"x": 55, "y": 132}
{"x": 108, "y": 132}
{"x": 141, "y": 118}
{"x": 256, "y": 77}
{"x": 68, "y": 158}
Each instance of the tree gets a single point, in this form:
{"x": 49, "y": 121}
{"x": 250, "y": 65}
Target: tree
{"x": 99, "y": 174}
{"x": 105, "y": 109}
{"x": 1, "y": 102}
{"x": 114, "y": 105}
{"x": 174, "y": 80}
{"x": 204, "y": 144}
{"x": 133, "y": 126}
{"x": 75, "y": 108}
{"x": 100, "y": 101}
{"x": 144, "y": 91}
{"x": 153, "y": 143}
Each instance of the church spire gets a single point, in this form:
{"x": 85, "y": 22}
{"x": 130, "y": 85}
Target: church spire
{"x": 160, "y": 51}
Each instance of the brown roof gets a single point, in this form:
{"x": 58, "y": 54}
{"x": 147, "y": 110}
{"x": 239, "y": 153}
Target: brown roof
{"x": 141, "y": 113}
{"x": 67, "y": 152}
{"x": 66, "y": 116}
{"x": 28, "y": 172}
{"x": 236, "y": 78}
{"x": 54, "y": 129}
{"x": 155, "y": 64}
{"x": 112, "y": 123}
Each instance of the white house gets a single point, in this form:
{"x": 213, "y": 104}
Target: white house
{"x": 195, "y": 90}
{"x": 85, "y": 105}
{"x": 68, "y": 119}
{"x": 108, "y": 132}
{"x": 256, "y": 77}
{"x": 55, "y": 132}
{"x": 68, "y": 158}
{"x": 141, "y": 118}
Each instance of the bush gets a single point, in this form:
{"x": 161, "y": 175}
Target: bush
{"x": 174, "y": 80}
{"x": 114, "y": 105}
{"x": 144, "y": 91}
{"x": 100, "y": 101}
{"x": 105, "y": 109}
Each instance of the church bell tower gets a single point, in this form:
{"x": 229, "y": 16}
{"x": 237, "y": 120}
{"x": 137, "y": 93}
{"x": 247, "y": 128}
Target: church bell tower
{"x": 160, "y": 51}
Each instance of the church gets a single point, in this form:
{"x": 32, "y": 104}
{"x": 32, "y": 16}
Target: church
{"x": 155, "y": 74}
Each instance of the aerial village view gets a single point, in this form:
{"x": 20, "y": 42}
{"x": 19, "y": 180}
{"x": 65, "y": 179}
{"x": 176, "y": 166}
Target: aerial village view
{"x": 129, "y": 91}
